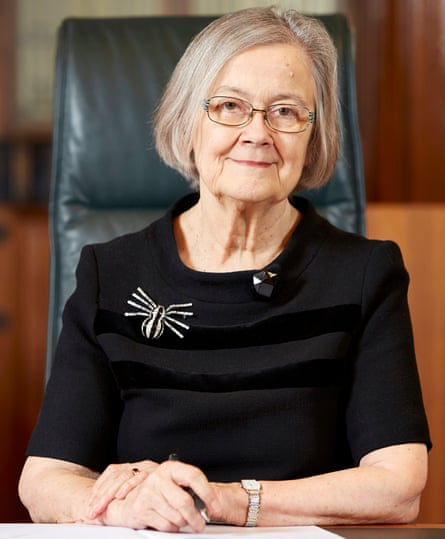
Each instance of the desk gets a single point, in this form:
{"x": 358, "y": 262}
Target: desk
{"x": 77, "y": 531}
{"x": 416, "y": 531}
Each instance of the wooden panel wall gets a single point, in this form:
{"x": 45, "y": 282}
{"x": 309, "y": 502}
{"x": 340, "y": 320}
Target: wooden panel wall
{"x": 400, "y": 65}
{"x": 8, "y": 373}
{"x": 24, "y": 267}
{"x": 419, "y": 229}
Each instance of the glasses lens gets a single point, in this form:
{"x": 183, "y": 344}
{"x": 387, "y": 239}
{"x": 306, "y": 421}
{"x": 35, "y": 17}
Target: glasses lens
{"x": 233, "y": 111}
{"x": 290, "y": 118}
{"x": 228, "y": 110}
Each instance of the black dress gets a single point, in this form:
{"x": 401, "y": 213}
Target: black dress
{"x": 303, "y": 382}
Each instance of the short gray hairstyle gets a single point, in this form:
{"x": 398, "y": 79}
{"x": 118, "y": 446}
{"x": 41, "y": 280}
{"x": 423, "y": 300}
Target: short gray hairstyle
{"x": 177, "y": 116}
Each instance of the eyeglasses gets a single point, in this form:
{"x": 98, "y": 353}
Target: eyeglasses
{"x": 236, "y": 112}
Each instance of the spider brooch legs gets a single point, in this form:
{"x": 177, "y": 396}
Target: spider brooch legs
{"x": 157, "y": 317}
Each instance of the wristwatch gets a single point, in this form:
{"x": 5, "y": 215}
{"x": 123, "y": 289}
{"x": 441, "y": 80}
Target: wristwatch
{"x": 253, "y": 488}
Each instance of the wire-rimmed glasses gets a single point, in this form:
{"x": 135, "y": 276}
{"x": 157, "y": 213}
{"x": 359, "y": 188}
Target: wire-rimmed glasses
{"x": 236, "y": 112}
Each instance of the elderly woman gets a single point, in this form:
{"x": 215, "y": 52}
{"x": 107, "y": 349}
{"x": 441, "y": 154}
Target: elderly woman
{"x": 241, "y": 330}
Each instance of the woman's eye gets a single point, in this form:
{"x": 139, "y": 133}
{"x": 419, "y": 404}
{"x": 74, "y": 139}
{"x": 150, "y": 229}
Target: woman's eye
{"x": 286, "y": 112}
{"x": 231, "y": 106}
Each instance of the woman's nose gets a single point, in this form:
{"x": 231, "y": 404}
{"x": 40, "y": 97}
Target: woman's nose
{"x": 257, "y": 130}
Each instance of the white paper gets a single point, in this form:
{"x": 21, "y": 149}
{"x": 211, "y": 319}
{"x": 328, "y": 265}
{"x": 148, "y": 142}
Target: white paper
{"x": 65, "y": 531}
{"x": 76, "y": 531}
{"x": 235, "y": 532}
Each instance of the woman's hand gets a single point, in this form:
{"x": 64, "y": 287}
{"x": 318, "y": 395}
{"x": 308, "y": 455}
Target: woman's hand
{"x": 160, "y": 500}
{"x": 116, "y": 482}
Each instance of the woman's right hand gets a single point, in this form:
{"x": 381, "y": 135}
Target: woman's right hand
{"x": 160, "y": 501}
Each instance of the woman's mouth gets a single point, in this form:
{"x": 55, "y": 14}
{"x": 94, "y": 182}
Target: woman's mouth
{"x": 252, "y": 163}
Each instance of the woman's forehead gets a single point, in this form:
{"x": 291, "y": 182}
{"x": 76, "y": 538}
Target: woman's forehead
{"x": 278, "y": 70}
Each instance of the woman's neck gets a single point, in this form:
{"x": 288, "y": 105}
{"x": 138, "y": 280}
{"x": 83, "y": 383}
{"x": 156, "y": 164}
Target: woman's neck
{"x": 224, "y": 236}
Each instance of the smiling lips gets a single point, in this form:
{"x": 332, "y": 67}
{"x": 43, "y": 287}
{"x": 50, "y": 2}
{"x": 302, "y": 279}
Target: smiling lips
{"x": 254, "y": 164}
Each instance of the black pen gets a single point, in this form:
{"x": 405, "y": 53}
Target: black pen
{"x": 199, "y": 504}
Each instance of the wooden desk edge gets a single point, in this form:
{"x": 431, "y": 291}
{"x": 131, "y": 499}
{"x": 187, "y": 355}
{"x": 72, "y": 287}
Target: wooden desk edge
{"x": 415, "y": 525}
{"x": 361, "y": 526}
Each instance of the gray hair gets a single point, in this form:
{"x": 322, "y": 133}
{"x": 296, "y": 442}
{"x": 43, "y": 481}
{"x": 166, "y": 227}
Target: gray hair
{"x": 178, "y": 113}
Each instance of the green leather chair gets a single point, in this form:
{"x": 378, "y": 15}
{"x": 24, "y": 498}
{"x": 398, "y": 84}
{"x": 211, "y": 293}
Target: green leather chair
{"x": 106, "y": 177}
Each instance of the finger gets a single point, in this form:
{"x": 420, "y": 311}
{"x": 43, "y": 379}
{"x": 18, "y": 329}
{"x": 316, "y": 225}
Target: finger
{"x": 171, "y": 513}
{"x": 110, "y": 471}
{"x": 154, "y": 520}
{"x": 147, "y": 505}
{"x": 130, "y": 484}
{"x": 174, "y": 495}
{"x": 106, "y": 487}
{"x": 110, "y": 476}
{"x": 136, "y": 512}
{"x": 194, "y": 479}
{"x": 207, "y": 494}
{"x": 185, "y": 504}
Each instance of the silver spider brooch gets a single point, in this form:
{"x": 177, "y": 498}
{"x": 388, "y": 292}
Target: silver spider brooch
{"x": 157, "y": 317}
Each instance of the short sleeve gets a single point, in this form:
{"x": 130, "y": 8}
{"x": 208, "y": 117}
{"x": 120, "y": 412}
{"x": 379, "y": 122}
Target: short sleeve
{"x": 79, "y": 417}
{"x": 385, "y": 406}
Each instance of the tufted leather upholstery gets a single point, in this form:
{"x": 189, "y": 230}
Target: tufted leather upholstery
{"x": 106, "y": 177}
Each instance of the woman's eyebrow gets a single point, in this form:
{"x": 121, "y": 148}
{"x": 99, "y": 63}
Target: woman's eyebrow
{"x": 283, "y": 97}
{"x": 223, "y": 90}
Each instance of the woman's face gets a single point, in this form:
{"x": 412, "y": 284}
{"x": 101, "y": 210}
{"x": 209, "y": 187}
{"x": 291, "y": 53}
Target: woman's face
{"x": 253, "y": 163}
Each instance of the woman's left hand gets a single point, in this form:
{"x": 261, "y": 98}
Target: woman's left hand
{"x": 116, "y": 482}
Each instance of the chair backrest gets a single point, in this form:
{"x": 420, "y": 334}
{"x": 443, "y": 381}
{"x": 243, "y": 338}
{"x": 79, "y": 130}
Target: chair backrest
{"x": 106, "y": 176}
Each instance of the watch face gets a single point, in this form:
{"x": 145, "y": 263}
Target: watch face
{"x": 250, "y": 484}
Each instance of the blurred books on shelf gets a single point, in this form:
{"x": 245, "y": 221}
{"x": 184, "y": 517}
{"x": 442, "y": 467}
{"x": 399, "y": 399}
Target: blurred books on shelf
{"x": 4, "y": 172}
